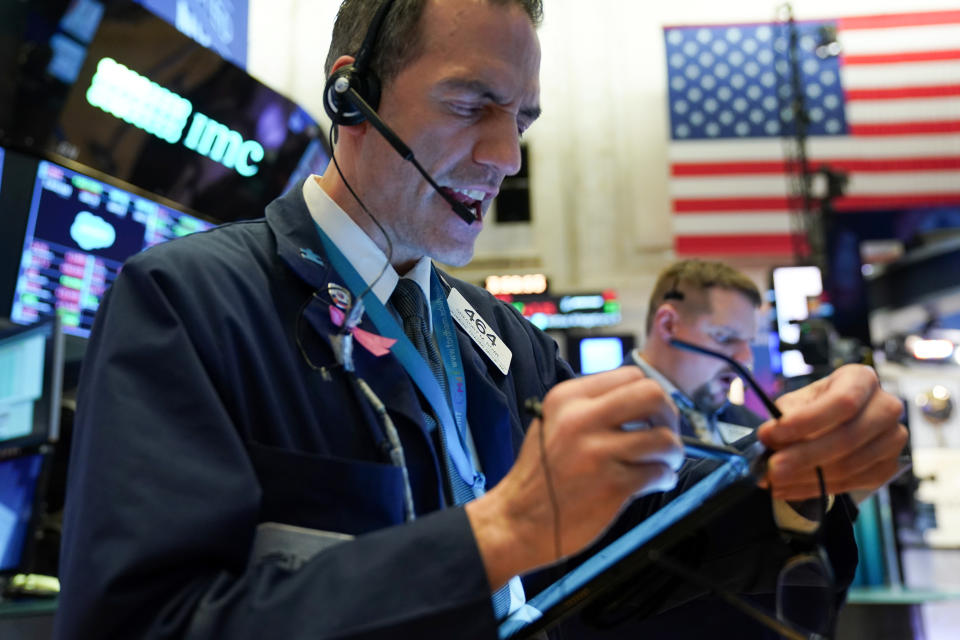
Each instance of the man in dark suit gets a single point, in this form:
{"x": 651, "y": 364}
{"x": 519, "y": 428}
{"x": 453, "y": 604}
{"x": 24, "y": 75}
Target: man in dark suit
{"x": 713, "y": 305}
{"x": 259, "y": 455}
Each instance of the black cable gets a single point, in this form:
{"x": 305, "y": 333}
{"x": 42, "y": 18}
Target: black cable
{"x": 333, "y": 156}
{"x": 534, "y": 407}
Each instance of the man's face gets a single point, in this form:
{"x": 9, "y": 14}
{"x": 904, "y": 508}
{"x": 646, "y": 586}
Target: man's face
{"x": 460, "y": 106}
{"x": 729, "y": 327}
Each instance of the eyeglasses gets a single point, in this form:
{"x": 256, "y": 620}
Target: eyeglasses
{"x": 806, "y": 589}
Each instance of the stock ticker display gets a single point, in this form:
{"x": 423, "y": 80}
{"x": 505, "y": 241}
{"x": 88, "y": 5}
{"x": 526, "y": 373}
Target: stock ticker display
{"x": 79, "y": 233}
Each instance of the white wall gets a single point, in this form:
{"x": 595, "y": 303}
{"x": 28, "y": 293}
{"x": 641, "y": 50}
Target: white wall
{"x": 598, "y": 155}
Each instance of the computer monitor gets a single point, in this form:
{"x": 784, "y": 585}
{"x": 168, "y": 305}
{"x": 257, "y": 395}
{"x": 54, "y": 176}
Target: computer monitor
{"x": 593, "y": 354}
{"x": 20, "y": 506}
{"x": 79, "y": 231}
{"x": 118, "y": 89}
{"x": 793, "y": 288}
{"x": 31, "y": 370}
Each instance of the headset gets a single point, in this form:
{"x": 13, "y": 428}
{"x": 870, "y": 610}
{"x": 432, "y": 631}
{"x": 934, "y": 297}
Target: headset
{"x": 352, "y": 95}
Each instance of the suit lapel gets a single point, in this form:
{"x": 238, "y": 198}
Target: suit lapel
{"x": 488, "y": 414}
{"x": 300, "y": 248}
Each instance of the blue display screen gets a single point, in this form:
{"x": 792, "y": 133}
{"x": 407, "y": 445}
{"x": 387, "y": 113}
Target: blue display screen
{"x": 600, "y": 354}
{"x": 220, "y": 25}
{"x": 18, "y": 485}
{"x": 79, "y": 233}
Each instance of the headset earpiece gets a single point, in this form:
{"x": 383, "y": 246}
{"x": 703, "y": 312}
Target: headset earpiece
{"x": 336, "y": 104}
{"x": 358, "y": 76}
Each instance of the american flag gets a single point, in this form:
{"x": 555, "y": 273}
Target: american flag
{"x": 886, "y": 111}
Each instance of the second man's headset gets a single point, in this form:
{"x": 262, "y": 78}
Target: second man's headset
{"x": 352, "y": 95}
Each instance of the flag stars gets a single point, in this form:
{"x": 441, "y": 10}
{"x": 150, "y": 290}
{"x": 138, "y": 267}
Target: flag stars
{"x": 729, "y": 81}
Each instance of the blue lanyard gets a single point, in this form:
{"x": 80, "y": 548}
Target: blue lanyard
{"x": 454, "y": 425}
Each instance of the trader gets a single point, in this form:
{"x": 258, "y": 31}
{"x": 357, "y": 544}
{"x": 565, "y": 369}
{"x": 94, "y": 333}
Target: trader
{"x": 258, "y": 374}
{"x": 713, "y": 305}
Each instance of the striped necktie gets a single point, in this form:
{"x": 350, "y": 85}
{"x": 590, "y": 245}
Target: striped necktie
{"x": 694, "y": 422}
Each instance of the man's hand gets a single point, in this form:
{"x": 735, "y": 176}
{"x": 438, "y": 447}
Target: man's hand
{"x": 593, "y": 465}
{"x": 843, "y": 423}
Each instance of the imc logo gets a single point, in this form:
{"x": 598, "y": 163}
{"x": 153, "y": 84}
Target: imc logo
{"x": 139, "y": 101}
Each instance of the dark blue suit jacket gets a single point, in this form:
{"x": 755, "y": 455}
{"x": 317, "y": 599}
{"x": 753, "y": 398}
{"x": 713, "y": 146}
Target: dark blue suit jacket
{"x": 199, "y": 417}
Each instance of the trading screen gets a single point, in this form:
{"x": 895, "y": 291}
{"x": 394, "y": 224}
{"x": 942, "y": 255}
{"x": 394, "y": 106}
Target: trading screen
{"x": 79, "y": 233}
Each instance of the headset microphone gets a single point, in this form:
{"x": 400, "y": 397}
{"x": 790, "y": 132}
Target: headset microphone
{"x": 342, "y": 86}
{"x": 352, "y": 95}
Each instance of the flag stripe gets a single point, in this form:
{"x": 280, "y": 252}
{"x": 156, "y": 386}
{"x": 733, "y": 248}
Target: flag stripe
{"x": 865, "y": 203}
{"x": 748, "y": 205}
{"x": 901, "y": 56}
{"x": 821, "y": 147}
{"x": 682, "y": 169}
{"x": 916, "y": 183}
{"x": 917, "y": 74}
{"x": 899, "y": 93}
{"x": 887, "y": 21}
{"x": 898, "y": 40}
{"x": 773, "y": 244}
{"x": 726, "y": 205}
{"x": 901, "y": 128}
{"x": 725, "y": 224}
{"x": 930, "y": 109}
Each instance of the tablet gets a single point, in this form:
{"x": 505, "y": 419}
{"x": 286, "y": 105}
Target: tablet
{"x": 611, "y": 568}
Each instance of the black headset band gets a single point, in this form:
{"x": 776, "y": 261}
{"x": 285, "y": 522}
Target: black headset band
{"x": 365, "y": 53}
